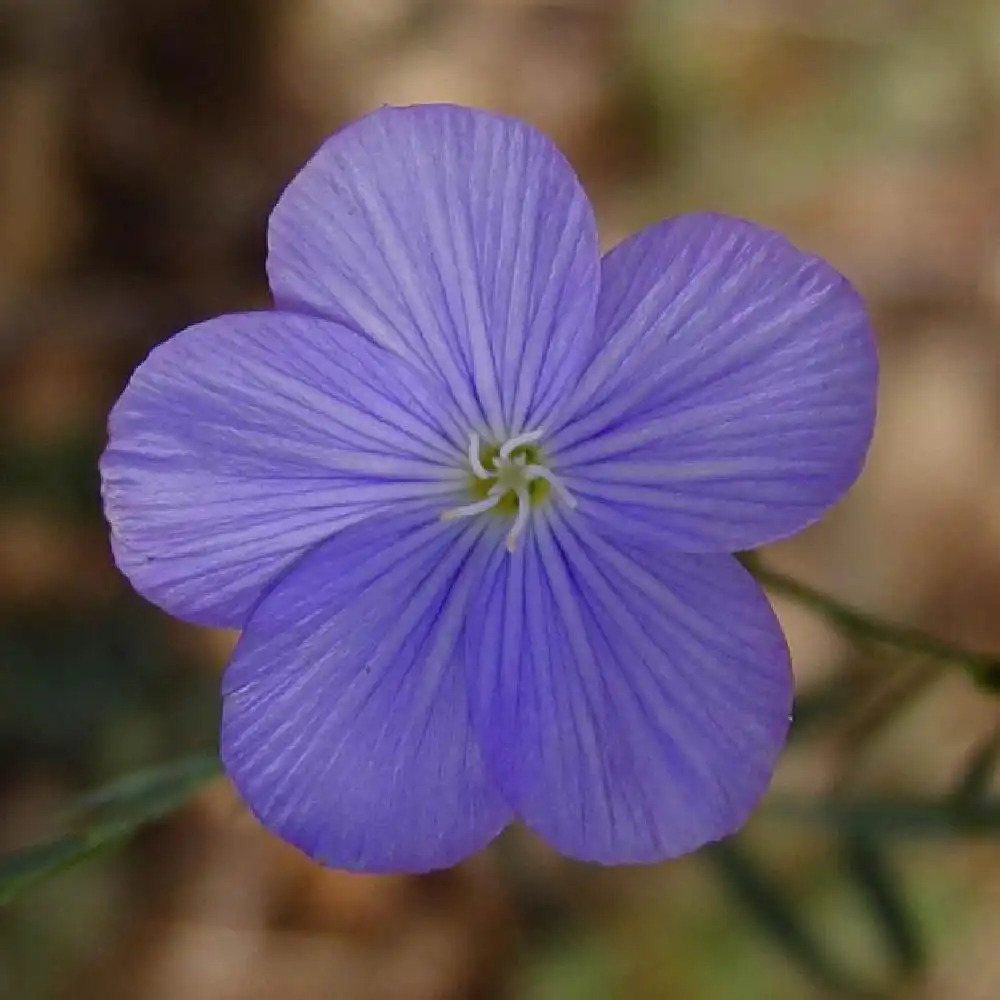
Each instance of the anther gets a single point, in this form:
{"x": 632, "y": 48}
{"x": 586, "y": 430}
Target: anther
{"x": 528, "y": 437}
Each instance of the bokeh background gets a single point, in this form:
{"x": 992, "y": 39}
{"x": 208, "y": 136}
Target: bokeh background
{"x": 142, "y": 143}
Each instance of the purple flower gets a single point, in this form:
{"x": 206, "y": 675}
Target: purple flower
{"x": 470, "y": 491}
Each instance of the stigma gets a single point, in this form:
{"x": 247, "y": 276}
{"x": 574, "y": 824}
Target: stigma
{"x": 509, "y": 478}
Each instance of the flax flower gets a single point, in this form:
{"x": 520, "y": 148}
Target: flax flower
{"x": 470, "y": 491}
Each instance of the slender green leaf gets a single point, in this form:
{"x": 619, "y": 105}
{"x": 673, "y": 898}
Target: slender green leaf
{"x": 861, "y": 625}
{"x": 21, "y": 870}
{"x": 777, "y": 915}
{"x": 150, "y": 793}
{"x": 909, "y": 816}
{"x": 975, "y": 783}
{"x": 826, "y": 703}
{"x": 113, "y": 814}
{"x": 869, "y": 868}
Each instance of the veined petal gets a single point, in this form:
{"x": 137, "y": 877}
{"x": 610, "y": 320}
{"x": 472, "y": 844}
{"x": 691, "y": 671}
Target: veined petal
{"x": 734, "y": 399}
{"x": 345, "y": 721}
{"x": 462, "y": 240}
{"x": 631, "y": 701}
{"x": 242, "y": 441}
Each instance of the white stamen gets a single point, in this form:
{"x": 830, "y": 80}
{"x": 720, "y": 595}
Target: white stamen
{"x": 528, "y": 437}
{"x": 521, "y": 521}
{"x": 540, "y": 472}
{"x": 471, "y": 509}
{"x": 510, "y": 473}
{"x": 479, "y": 470}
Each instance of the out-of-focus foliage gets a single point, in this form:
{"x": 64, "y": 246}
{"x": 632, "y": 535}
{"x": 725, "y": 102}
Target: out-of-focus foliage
{"x": 143, "y": 144}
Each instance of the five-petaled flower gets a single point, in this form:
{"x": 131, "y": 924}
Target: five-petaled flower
{"x": 471, "y": 490}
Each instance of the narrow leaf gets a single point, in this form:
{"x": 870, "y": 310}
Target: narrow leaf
{"x": 22, "y": 869}
{"x": 150, "y": 793}
{"x": 869, "y": 867}
{"x": 975, "y": 783}
{"x": 826, "y": 703}
{"x": 115, "y": 813}
{"x": 776, "y": 914}
{"x": 859, "y": 625}
{"x": 909, "y": 816}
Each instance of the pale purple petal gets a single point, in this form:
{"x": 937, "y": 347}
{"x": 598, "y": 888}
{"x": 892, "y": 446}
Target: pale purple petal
{"x": 241, "y": 442}
{"x": 734, "y": 399}
{"x": 631, "y": 701}
{"x": 462, "y": 240}
{"x": 345, "y": 721}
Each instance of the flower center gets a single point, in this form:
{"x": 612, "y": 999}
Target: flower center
{"x": 509, "y": 479}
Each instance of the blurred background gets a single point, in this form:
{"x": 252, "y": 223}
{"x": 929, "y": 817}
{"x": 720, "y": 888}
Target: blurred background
{"x": 142, "y": 144}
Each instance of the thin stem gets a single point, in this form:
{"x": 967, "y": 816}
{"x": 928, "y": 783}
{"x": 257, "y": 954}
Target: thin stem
{"x": 983, "y": 668}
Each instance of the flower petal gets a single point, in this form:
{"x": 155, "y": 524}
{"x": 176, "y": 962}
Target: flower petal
{"x": 631, "y": 701}
{"x": 241, "y": 442}
{"x": 345, "y": 715}
{"x": 734, "y": 400}
{"x": 461, "y": 240}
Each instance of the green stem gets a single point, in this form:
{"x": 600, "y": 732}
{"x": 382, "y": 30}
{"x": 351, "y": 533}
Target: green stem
{"x": 983, "y": 668}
